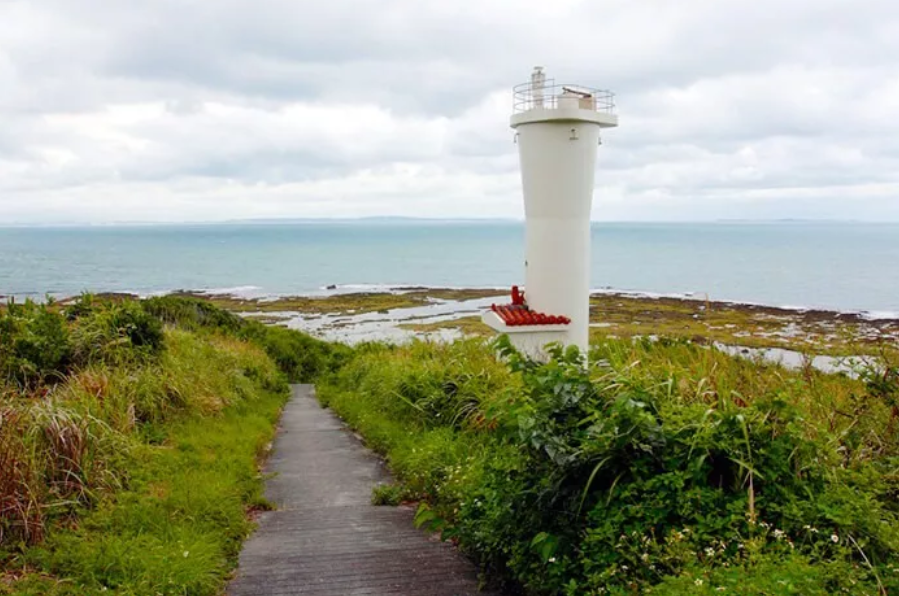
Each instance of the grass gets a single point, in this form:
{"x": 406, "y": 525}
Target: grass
{"x": 670, "y": 468}
{"x": 301, "y": 357}
{"x": 130, "y": 451}
{"x": 130, "y": 435}
{"x": 178, "y": 527}
{"x": 818, "y": 332}
{"x": 173, "y": 472}
{"x": 468, "y": 326}
{"x": 619, "y": 316}
{"x": 345, "y": 304}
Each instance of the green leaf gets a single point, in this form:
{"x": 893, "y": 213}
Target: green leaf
{"x": 590, "y": 483}
{"x": 539, "y": 538}
{"x": 424, "y": 516}
{"x": 545, "y": 545}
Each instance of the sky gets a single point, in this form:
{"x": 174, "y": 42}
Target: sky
{"x": 207, "y": 110}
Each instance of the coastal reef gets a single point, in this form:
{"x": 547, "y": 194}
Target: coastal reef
{"x": 451, "y": 313}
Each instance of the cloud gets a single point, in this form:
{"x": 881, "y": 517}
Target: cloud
{"x": 205, "y": 110}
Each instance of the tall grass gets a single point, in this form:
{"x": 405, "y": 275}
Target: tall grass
{"x": 301, "y": 357}
{"x": 177, "y": 523}
{"x": 129, "y": 440}
{"x": 664, "y": 467}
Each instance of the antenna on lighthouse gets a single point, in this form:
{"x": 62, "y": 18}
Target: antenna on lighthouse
{"x": 538, "y": 80}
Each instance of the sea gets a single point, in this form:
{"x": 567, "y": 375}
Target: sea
{"x": 830, "y": 265}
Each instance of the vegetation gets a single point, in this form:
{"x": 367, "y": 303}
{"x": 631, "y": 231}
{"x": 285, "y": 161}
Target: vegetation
{"x": 129, "y": 440}
{"x": 664, "y": 468}
{"x": 345, "y": 304}
{"x": 626, "y": 316}
{"x": 612, "y": 315}
{"x": 811, "y": 331}
{"x": 470, "y": 326}
{"x": 130, "y": 434}
{"x": 301, "y": 357}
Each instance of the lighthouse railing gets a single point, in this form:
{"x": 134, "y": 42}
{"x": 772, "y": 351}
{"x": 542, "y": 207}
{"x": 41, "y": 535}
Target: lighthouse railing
{"x": 551, "y": 95}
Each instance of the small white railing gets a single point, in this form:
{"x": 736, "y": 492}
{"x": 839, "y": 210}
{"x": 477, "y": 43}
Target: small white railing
{"x": 550, "y": 95}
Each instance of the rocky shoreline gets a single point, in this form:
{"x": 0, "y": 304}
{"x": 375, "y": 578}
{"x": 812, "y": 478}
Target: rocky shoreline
{"x": 447, "y": 313}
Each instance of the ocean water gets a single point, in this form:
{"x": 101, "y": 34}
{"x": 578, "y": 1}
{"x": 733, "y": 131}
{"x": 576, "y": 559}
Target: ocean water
{"x": 844, "y": 266}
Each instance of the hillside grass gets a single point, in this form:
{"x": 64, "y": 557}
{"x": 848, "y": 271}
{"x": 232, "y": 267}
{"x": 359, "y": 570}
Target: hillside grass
{"x": 131, "y": 432}
{"x": 666, "y": 468}
{"x": 345, "y": 303}
{"x": 177, "y": 524}
{"x": 130, "y": 440}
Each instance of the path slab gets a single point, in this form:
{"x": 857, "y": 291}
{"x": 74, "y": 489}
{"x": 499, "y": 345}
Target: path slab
{"x": 325, "y": 536}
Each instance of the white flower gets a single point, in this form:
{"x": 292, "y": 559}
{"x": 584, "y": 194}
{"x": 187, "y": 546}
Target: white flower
{"x": 552, "y": 559}
{"x": 710, "y": 552}
{"x": 698, "y": 582}
{"x": 186, "y": 554}
{"x": 834, "y": 538}
{"x": 779, "y": 534}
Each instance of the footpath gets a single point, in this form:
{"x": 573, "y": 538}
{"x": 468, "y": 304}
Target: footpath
{"x": 325, "y": 537}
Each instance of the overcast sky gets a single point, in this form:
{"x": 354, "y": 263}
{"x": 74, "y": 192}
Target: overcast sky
{"x": 165, "y": 110}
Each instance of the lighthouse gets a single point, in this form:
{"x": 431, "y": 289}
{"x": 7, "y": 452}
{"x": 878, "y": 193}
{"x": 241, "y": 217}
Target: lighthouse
{"x": 557, "y": 129}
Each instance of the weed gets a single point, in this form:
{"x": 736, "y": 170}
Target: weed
{"x": 662, "y": 463}
{"x": 129, "y": 441}
{"x": 301, "y": 357}
{"x": 389, "y": 494}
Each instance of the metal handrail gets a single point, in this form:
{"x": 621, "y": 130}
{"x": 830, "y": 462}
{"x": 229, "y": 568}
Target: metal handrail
{"x": 551, "y": 95}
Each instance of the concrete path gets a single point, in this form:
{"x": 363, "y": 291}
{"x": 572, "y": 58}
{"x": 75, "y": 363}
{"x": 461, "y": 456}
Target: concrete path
{"x": 325, "y": 537}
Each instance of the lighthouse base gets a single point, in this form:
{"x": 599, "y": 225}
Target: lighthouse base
{"x": 530, "y": 340}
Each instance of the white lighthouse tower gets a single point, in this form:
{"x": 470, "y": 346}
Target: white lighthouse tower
{"x": 558, "y": 132}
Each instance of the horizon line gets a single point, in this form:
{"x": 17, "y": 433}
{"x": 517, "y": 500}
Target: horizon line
{"x": 401, "y": 218}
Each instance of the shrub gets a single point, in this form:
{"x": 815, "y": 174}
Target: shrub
{"x": 661, "y": 464}
{"x": 301, "y": 357}
{"x": 82, "y": 382}
{"x": 193, "y": 313}
{"x": 779, "y": 572}
{"x": 114, "y": 332}
{"x": 42, "y": 343}
{"x": 35, "y": 344}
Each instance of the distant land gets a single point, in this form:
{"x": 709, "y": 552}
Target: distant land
{"x": 374, "y": 219}
{"x": 791, "y": 220}
{"x": 393, "y": 219}
{"x": 262, "y": 221}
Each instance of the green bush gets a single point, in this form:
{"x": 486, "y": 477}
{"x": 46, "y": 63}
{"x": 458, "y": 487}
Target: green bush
{"x": 779, "y": 574}
{"x": 660, "y": 465}
{"x": 113, "y": 331}
{"x": 35, "y": 344}
{"x": 42, "y": 343}
{"x": 193, "y": 313}
{"x": 130, "y": 434}
{"x": 301, "y": 357}
{"x": 158, "y": 464}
